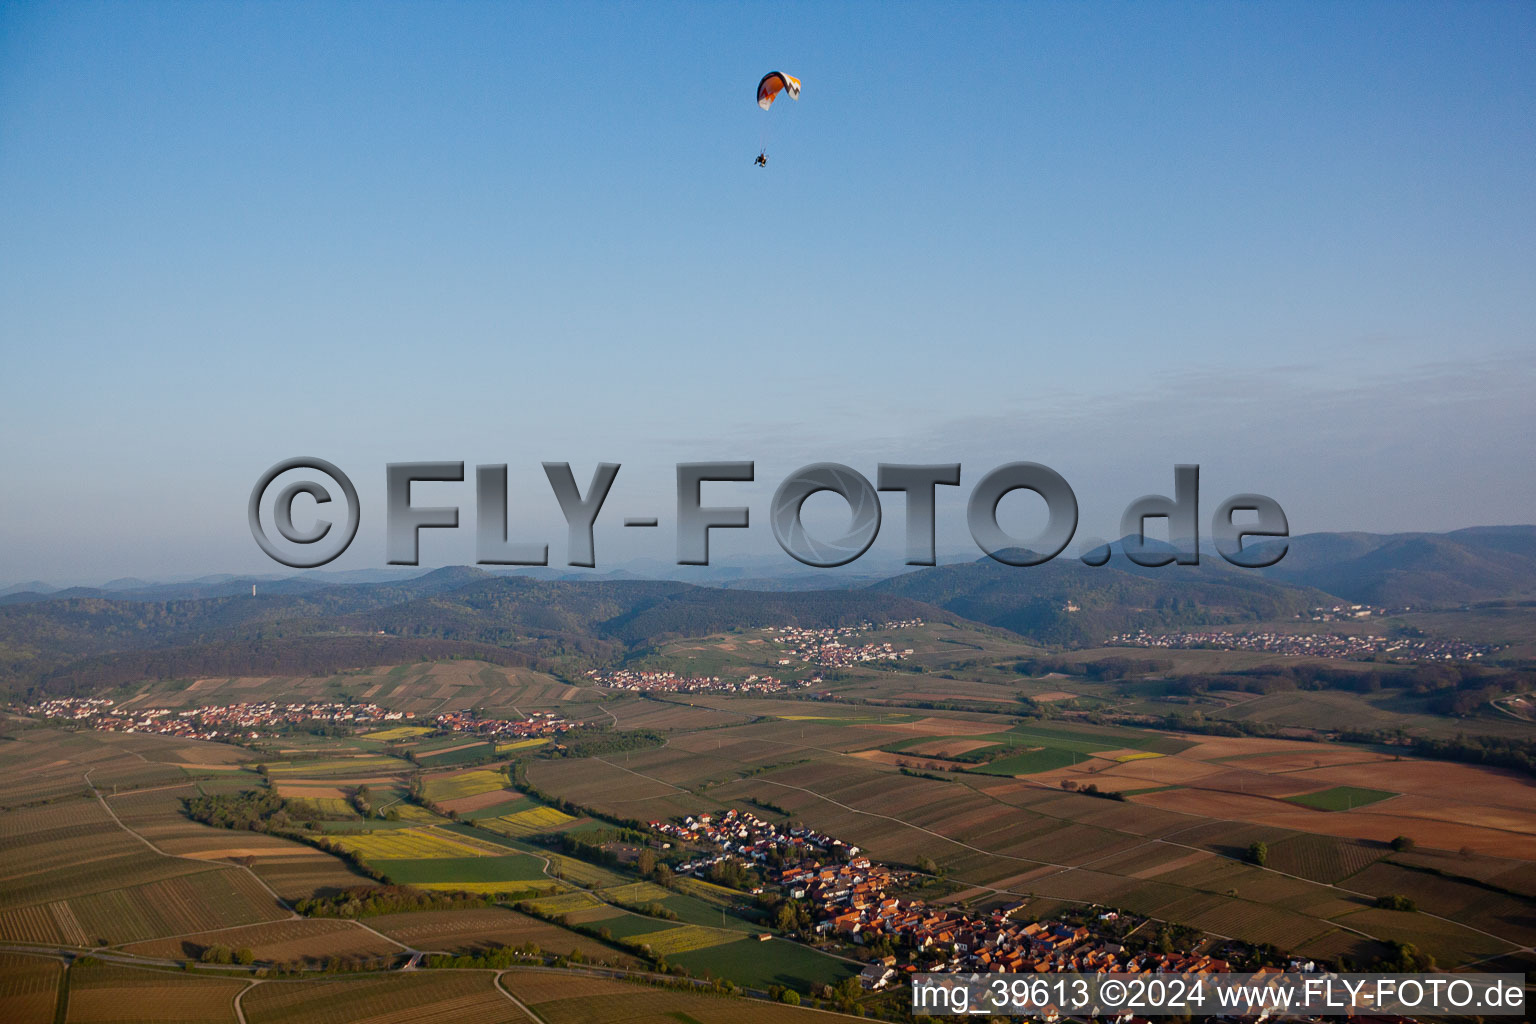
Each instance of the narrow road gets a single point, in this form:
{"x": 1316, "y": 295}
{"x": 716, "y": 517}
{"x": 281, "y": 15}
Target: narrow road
{"x": 524, "y": 1007}
{"x": 239, "y": 1013}
{"x": 292, "y": 914}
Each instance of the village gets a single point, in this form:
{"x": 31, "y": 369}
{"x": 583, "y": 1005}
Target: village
{"x": 243, "y": 720}
{"x": 825, "y": 647}
{"x": 538, "y": 723}
{"x": 855, "y": 899}
{"x": 638, "y": 681}
{"x": 1308, "y": 645}
{"x": 248, "y": 720}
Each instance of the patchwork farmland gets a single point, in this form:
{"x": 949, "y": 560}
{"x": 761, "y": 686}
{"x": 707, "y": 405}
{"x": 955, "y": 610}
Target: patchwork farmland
{"x": 1049, "y": 816}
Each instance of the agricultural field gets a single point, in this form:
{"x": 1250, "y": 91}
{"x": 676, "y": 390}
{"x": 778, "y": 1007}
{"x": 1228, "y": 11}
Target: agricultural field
{"x": 503, "y": 749}
{"x": 457, "y": 785}
{"x": 102, "y": 993}
{"x": 294, "y": 940}
{"x": 308, "y": 875}
{"x": 350, "y": 767}
{"x": 78, "y": 872}
{"x": 418, "y": 843}
{"x": 447, "y": 872}
{"x": 683, "y": 938}
{"x": 29, "y": 988}
{"x": 399, "y": 732}
{"x": 941, "y": 764}
{"x": 532, "y": 821}
{"x": 1341, "y": 798}
{"x": 1031, "y": 762}
{"x": 759, "y": 964}
{"x": 474, "y": 931}
{"x": 564, "y": 903}
{"x": 1009, "y": 826}
{"x": 424, "y": 997}
{"x": 577, "y": 1000}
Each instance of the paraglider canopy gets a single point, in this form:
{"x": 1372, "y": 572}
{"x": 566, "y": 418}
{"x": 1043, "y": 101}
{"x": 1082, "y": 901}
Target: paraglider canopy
{"x": 773, "y": 83}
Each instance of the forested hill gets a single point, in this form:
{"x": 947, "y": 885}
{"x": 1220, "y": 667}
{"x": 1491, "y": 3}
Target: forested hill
{"x": 1415, "y": 569}
{"x": 314, "y": 623}
{"x": 1067, "y": 602}
{"x": 74, "y": 643}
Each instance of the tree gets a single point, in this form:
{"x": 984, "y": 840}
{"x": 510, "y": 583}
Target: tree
{"x": 1402, "y": 844}
{"x": 1258, "y": 853}
{"x": 217, "y": 955}
{"x": 846, "y": 994}
{"x": 790, "y": 997}
{"x": 784, "y": 920}
{"x": 646, "y": 864}
{"x": 245, "y": 955}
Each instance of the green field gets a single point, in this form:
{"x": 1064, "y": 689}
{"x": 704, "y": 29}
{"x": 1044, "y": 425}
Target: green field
{"x": 462, "y": 784}
{"x": 668, "y": 940}
{"x": 626, "y": 925}
{"x": 1340, "y": 798}
{"x": 478, "y": 752}
{"x": 515, "y": 867}
{"x": 760, "y": 964}
{"x": 1028, "y": 763}
{"x": 1054, "y": 742}
{"x": 518, "y": 803}
{"x": 414, "y": 844}
{"x": 1088, "y": 741}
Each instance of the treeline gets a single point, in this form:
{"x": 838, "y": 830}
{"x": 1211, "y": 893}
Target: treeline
{"x": 769, "y": 806}
{"x": 256, "y": 810}
{"x": 1103, "y": 669}
{"x": 369, "y": 901}
{"x": 597, "y": 931}
{"x": 588, "y": 845}
{"x": 1493, "y": 751}
{"x": 1453, "y": 688}
{"x": 1092, "y": 789}
{"x": 499, "y": 958}
{"x": 595, "y": 741}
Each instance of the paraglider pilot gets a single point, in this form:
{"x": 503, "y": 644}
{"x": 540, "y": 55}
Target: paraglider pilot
{"x": 762, "y": 160}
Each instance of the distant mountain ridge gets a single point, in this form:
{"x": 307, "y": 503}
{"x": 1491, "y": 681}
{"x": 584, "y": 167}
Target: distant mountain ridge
{"x": 1067, "y": 602}
{"x": 310, "y": 623}
{"x": 78, "y": 640}
{"x": 1482, "y": 563}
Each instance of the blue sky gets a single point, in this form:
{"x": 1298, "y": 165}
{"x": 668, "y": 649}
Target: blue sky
{"x": 1294, "y": 243}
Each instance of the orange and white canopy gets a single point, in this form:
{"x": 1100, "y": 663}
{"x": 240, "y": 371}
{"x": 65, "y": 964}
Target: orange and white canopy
{"x": 773, "y": 83}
